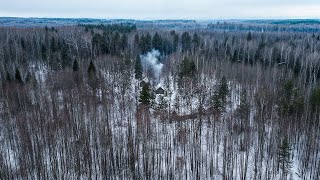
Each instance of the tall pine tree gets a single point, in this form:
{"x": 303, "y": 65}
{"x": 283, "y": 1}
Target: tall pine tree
{"x": 249, "y": 36}
{"x": 284, "y": 156}
{"x": 75, "y": 66}
{"x": 92, "y": 77}
{"x": 8, "y": 77}
{"x": 145, "y": 96}
{"x": 18, "y": 76}
{"x": 138, "y": 68}
{"x": 157, "y": 42}
{"x": 186, "y": 41}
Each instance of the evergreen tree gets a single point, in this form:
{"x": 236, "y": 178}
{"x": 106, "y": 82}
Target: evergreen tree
{"x": 65, "y": 58}
{"x": 136, "y": 40}
{"x": 92, "y": 77}
{"x": 315, "y": 98}
{"x": 187, "y": 68}
{"x": 175, "y": 40}
{"x": 18, "y": 76}
{"x": 75, "y": 66}
{"x": 284, "y": 154}
{"x": 53, "y": 45}
{"x": 28, "y": 78}
{"x": 219, "y": 98}
{"x": 115, "y": 43}
{"x": 287, "y": 92}
{"x": 8, "y": 77}
{"x": 76, "y": 75}
{"x": 91, "y": 69}
{"x": 157, "y": 42}
{"x": 185, "y": 41}
{"x": 148, "y": 42}
{"x": 196, "y": 41}
{"x": 216, "y": 102}
{"x": 172, "y": 33}
{"x": 234, "y": 56}
{"x": 145, "y": 44}
{"x": 97, "y": 41}
{"x": 243, "y": 110}
{"x": 23, "y": 43}
{"x": 223, "y": 90}
{"x": 291, "y": 101}
{"x": 145, "y": 96}
{"x": 124, "y": 42}
{"x": 44, "y": 52}
{"x": 249, "y": 36}
{"x": 138, "y": 68}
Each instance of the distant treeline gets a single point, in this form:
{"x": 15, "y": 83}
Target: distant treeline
{"x": 298, "y": 21}
{"x": 279, "y": 26}
{"x": 122, "y": 28}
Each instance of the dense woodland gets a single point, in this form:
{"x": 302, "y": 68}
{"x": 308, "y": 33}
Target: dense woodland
{"x": 78, "y": 102}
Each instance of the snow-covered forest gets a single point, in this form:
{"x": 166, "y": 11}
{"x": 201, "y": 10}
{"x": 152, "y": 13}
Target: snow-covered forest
{"x": 120, "y": 102}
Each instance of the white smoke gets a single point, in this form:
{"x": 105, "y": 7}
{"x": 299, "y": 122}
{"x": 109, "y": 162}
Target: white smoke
{"x": 151, "y": 61}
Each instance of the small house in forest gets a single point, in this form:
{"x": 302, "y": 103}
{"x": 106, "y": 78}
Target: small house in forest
{"x": 159, "y": 91}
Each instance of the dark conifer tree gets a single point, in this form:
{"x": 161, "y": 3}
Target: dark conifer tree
{"x": 249, "y": 36}
{"x": 8, "y": 78}
{"x": 53, "y": 45}
{"x": 145, "y": 44}
{"x": 76, "y": 74}
{"x": 115, "y": 44}
{"x": 65, "y": 57}
{"x": 136, "y": 40}
{"x": 92, "y": 77}
{"x": 138, "y": 68}
{"x": 91, "y": 69}
{"x": 23, "y": 43}
{"x": 124, "y": 42}
{"x": 243, "y": 110}
{"x": 196, "y": 41}
{"x": 44, "y": 52}
{"x": 223, "y": 90}
{"x": 315, "y": 98}
{"x": 187, "y": 68}
{"x": 175, "y": 42}
{"x": 216, "y": 102}
{"x": 186, "y": 41}
{"x": 75, "y": 66}
{"x": 28, "y": 77}
{"x": 219, "y": 97}
{"x": 157, "y": 42}
{"x": 284, "y": 156}
{"x": 18, "y": 77}
{"x": 145, "y": 96}
{"x": 148, "y": 42}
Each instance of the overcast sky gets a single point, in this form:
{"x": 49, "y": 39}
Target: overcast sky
{"x": 162, "y": 9}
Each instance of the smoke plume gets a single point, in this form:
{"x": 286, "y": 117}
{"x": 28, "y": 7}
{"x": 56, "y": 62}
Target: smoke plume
{"x": 151, "y": 61}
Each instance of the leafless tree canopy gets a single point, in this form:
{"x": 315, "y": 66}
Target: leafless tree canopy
{"x": 233, "y": 104}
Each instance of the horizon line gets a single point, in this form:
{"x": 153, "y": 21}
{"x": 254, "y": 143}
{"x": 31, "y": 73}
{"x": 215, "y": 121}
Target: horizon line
{"x": 167, "y": 19}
